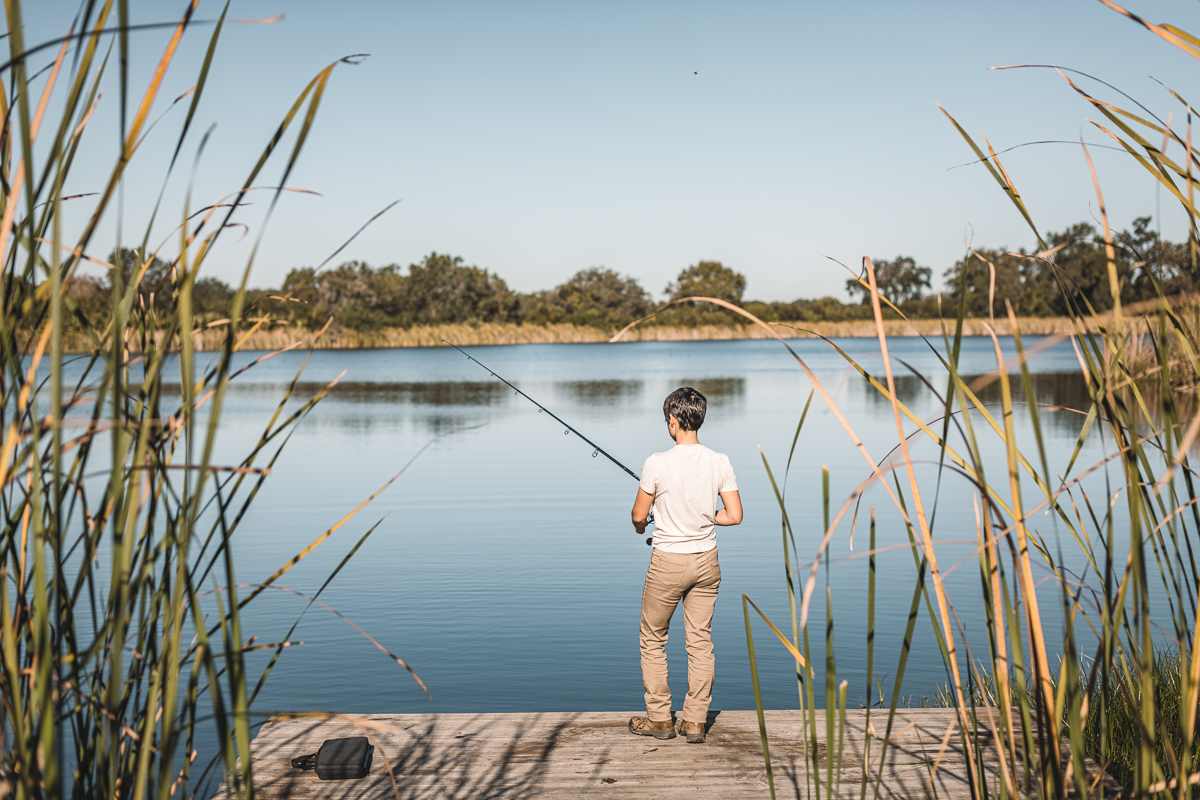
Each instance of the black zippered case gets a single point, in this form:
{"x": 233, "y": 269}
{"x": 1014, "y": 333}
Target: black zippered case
{"x": 339, "y": 759}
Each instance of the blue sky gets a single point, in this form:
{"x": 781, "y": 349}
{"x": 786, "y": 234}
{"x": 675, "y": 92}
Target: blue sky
{"x": 538, "y": 138}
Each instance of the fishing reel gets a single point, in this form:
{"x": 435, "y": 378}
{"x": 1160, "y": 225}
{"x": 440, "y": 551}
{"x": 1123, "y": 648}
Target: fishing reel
{"x": 650, "y": 524}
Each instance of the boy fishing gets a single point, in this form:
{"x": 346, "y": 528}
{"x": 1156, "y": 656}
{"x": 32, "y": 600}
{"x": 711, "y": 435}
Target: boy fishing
{"x": 682, "y": 486}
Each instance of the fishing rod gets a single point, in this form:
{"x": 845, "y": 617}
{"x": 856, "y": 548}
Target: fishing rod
{"x": 596, "y": 449}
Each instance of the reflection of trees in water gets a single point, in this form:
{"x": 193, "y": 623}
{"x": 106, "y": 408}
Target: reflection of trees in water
{"x": 610, "y": 392}
{"x": 417, "y": 393}
{"x": 436, "y": 423}
{"x": 439, "y": 424}
{"x": 715, "y": 389}
{"x": 1065, "y": 390}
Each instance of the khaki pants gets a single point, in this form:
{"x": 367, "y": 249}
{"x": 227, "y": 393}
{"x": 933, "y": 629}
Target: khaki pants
{"x": 692, "y": 578}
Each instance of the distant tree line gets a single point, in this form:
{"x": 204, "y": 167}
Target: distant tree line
{"x": 443, "y": 289}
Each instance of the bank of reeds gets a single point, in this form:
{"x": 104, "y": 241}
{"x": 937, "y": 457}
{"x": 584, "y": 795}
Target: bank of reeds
{"x": 1092, "y": 674}
{"x": 1167, "y": 338}
{"x": 123, "y": 643}
{"x": 268, "y": 337}
{"x": 1112, "y": 740}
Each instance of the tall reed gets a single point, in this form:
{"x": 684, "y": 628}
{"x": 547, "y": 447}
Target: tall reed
{"x": 122, "y": 634}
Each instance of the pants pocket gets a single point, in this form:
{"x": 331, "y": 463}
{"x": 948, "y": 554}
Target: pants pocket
{"x": 711, "y": 572}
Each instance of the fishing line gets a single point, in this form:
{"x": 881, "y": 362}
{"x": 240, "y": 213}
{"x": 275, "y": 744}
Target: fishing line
{"x": 597, "y": 450}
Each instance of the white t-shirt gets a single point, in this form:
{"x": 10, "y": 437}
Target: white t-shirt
{"x": 685, "y": 482}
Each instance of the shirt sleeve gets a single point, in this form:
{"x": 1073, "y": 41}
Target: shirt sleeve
{"x": 649, "y": 480}
{"x": 728, "y": 481}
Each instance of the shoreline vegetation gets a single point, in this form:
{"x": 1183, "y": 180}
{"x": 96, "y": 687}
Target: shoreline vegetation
{"x": 441, "y": 298}
{"x": 499, "y": 333}
{"x": 268, "y": 336}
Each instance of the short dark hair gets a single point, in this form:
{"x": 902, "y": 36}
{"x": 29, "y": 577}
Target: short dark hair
{"x": 686, "y": 405}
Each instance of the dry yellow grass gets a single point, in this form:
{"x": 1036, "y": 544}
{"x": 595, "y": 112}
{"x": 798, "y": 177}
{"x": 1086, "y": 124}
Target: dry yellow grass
{"x": 266, "y": 338}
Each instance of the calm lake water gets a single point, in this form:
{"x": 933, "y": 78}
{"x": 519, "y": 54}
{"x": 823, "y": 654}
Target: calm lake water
{"x": 504, "y": 568}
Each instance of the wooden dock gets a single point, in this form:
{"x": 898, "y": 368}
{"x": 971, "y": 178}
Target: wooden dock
{"x": 592, "y": 755}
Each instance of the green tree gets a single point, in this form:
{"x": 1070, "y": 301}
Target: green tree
{"x": 296, "y": 300}
{"x": 596, "y": 296}
{"x": 301, "y": 285}
{"x": 708, "y": 279}
{"x": 441, "y": 289}
{"x": 155, "y": 288}
{"x": 390, "y": 286}
{"x": 899, "y": 279}
{"x": 704, "y": 279}
{"x": 1079, "y": 274}
{"x": 211, "y": 296}
{"x": 1152, "y": 264}
{"x": 86, "y": 296}
{"x": 347, "y": 293}
{"x": 972, "y": 275}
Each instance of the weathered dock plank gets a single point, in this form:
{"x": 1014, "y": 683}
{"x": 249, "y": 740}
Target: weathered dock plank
{"x": 592, "y": 755}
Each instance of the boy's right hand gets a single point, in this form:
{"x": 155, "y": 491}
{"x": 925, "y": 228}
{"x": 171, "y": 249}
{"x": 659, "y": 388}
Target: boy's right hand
{"x": 642, "y": 513}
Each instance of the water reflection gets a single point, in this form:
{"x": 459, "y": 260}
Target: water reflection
{"x": 723, "y": 389}
{"x": 1060, "y": 393}
{"x": 608, "y": 392}
{"x": 1065, "y": 390}
{"x": 403, "y": 419}
{"x": 441, "y": 424}
{"x": 415, "y": 393}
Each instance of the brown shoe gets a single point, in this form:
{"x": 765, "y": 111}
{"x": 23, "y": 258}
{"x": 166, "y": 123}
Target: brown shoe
{"x": 644, "y": 726}
{"x": 694, "y": 731}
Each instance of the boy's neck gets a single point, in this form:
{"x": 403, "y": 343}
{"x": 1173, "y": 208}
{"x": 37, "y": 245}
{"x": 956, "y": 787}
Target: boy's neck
{"x": 687, "y": 437}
